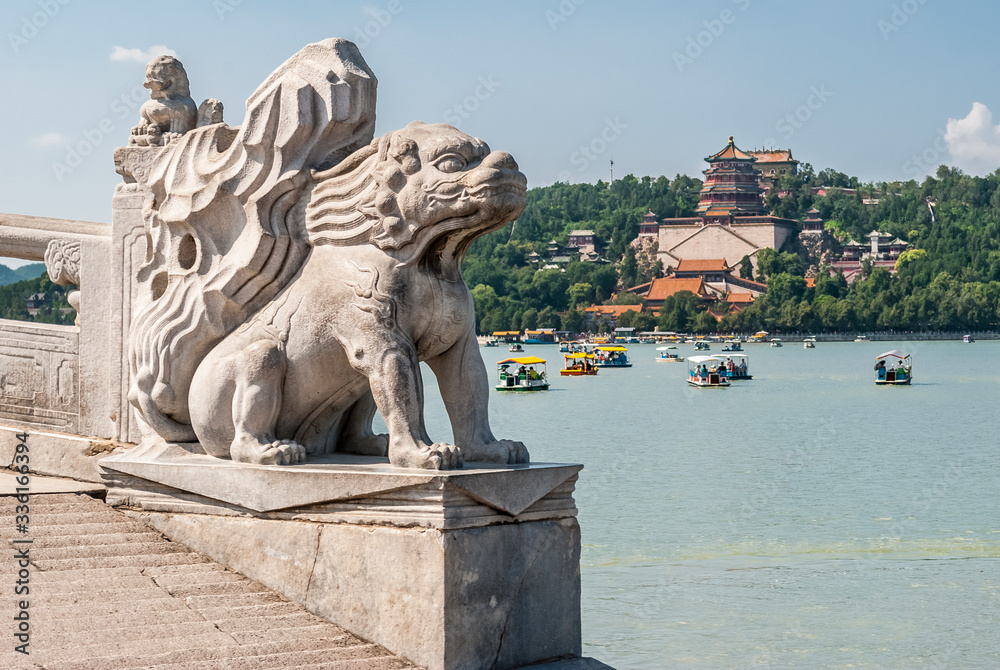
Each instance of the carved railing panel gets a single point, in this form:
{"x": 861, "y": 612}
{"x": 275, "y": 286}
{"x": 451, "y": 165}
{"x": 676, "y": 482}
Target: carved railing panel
{"x": 39, "y": 375}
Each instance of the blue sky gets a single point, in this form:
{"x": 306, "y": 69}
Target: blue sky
{"x": 564, "y": 85}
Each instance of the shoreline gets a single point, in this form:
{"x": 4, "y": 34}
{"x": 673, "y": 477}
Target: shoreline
{"x": 881, "y": 336}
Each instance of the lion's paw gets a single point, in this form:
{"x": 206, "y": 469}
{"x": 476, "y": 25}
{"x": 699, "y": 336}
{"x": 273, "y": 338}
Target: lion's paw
{"x": 277, "y": 452}
{"x": 440, "y": 456}
{"x": 507, "y": 452}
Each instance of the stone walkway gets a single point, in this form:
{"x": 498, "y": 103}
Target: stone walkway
{"x": 109, "y": 592}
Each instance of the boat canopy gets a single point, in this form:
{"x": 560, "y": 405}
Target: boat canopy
{"x": 895, "y": 353}
{"x": 666, "y": 348}
{"x": 734, "y": 355}
{"x": 704, "y": 359}
{"x": 527, "y": 360}
{"x": 762, "y": 332}
{"x": 611, "y": 349}
{"x": 579, "y": 354}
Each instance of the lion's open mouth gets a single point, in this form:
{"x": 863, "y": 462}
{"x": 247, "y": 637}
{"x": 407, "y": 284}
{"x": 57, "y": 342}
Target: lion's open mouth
{"x": 510, "y": 182}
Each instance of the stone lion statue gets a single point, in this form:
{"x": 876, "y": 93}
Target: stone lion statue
{"x": 298, "y": 270}
{"x": 170, "y": 112}
{"x": 380, "y": 292}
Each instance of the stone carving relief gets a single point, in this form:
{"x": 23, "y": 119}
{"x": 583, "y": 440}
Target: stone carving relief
{"x": 39, "y": 366}
{"x": 170, "y": 112}
{"x": 210, "y": 112}
{"x": 167, "y": 115}
{"x": 62, "y": 262}
{"x": 299, "y": 269}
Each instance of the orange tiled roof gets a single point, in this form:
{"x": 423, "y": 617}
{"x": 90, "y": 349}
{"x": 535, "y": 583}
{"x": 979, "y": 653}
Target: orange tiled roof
{"x": 661, "y": 289}
{"x": 730, "y": 152}
{"x": 774, "y": 156}
{"x": 739, "y": 298}
{"x": 810, "y": 282}
{"x": 702, "y": 265}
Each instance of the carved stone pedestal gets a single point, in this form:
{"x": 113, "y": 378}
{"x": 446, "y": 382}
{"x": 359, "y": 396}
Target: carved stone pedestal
{"x": 464, "y": 569}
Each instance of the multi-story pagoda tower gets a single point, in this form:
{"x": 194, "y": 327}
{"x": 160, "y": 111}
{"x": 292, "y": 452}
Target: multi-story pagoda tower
{"x": 731, "y": 188}
{"x": 730, "y": 222}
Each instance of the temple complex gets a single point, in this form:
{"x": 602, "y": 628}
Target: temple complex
{"x": 731, "y": 219}
{"x": 881, "y": 251}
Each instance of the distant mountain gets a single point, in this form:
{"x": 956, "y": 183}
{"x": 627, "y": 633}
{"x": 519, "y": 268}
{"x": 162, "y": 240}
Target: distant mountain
{"x": 9, "y": 276}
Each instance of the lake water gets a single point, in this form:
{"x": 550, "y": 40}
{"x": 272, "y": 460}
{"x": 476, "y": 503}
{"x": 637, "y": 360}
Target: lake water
{"x": 804, "y": 519}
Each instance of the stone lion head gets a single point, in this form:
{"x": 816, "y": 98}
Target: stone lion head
{"x": 424, "y": 184}
{"x": 167, "y": 79}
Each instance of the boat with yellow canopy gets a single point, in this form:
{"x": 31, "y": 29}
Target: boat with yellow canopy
{"x": 522, "y": 374}
{"x": 577, "y": 364}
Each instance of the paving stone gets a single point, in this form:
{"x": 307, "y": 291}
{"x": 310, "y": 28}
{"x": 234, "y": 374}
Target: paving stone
{"x": 108, "y": 593}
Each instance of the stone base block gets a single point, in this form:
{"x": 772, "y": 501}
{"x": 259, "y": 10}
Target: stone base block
{"x": 495, "y": 597}
{"x": 471, "y": 569}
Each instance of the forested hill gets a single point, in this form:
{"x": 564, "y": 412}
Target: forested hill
{"x": 30, "y": 271}
{"x": 949, "y": 280}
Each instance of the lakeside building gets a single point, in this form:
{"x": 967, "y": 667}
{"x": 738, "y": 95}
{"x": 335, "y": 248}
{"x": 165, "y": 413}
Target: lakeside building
{"x": 582, "y": 245}
{"x": 610, "y": 313}
{"x": 718, "y": 276}
{"x": 657, "y": 291}
{"x": 731, "y": 220}
{"x": 540, "y": 336}
{"x": 882, "y": 251}
{"x": 36, "y": 301}
{"x": 583, "y": 240}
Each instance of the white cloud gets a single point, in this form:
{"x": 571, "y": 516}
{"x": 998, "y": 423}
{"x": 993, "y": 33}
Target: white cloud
{"x": 140, "y": 56}
{"x": 974, "y": 142}
{"x": 48, "y": 140}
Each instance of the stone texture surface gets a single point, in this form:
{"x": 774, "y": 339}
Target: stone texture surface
{"x": 497, "y": 597}
{"x": 509, "y": 489}
{"x": 109, "y": 593}
{"x": 278, "y": 553}
{"x": 59, "y": 455}
{"x": 63, "y": 371}
{"x": 285, "y": 275}
{"x": 39, "y": 485}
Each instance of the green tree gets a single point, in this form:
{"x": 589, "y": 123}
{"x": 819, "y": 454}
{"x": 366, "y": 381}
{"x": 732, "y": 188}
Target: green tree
{"x": 785, "y": 287}
{"x": 704, "y": 322}
{"x": 629, "y": 269}
{"x": 529, "y": 319}
{"x": 677, "y": 310}
{"x": 574, "y": 321}
{"x": 581, "y": 293}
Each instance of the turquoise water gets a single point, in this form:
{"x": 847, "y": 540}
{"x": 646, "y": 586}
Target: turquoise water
{"x": 805, "y": 519}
